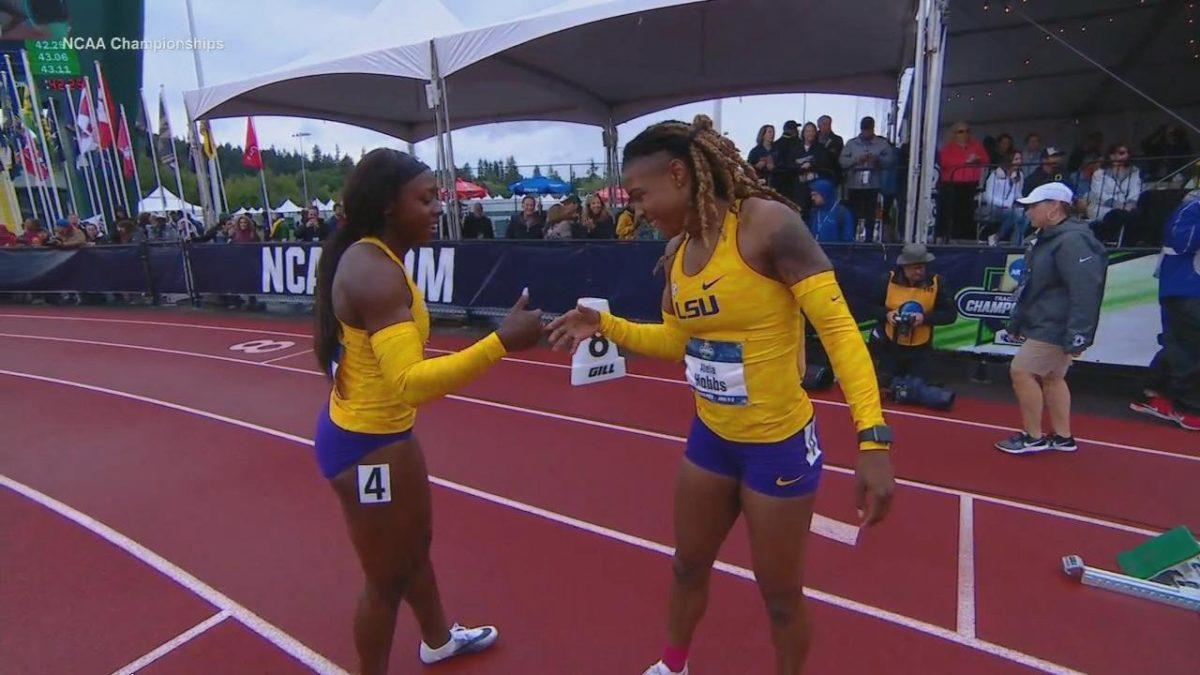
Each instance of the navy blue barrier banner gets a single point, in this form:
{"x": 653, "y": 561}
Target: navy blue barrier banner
{"x": 166, "y": 268}
{"x": 490, "y": 275}
{"x": 464, "y": 274}
{"x": 107, "y": 268}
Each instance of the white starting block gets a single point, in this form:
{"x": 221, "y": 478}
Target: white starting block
{"x": 597, "y": 359}
{"x": 1138, "y": 588}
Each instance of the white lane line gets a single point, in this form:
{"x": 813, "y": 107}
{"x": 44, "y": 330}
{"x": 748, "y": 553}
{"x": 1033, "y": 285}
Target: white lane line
{"x": 652, "y": 378}
{"x": 834, "y": 529}
{"x": 608, "y": 533}
{"x": 966, "y": 567}
{"x": 134, "y": 322}
{"x": 174, "y": 643}
{"x": 288, "y": 356}
{"x": 254, "y": 622}
{"x": 929, "y": 487}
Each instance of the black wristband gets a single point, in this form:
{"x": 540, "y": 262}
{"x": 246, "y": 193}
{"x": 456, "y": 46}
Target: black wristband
{"x": 877, "y": 434}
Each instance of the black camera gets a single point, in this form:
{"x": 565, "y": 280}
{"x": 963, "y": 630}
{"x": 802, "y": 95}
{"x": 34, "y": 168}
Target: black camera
{"x": 905, "y": 322}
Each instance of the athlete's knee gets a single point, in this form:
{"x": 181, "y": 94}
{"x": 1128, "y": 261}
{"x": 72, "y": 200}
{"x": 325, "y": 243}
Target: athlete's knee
{"x": 691, "y": 570}
{"x": 784, "y": 606}
{"x": 386, "y": 589}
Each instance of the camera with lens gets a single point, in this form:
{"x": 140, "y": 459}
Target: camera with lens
{"x": 905, "y": 322}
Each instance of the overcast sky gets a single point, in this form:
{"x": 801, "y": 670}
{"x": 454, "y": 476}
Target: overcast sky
{"x": 267, "y": 34}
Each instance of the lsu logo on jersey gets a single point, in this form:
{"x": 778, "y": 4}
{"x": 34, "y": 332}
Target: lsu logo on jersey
{"x": 698, "y": 307}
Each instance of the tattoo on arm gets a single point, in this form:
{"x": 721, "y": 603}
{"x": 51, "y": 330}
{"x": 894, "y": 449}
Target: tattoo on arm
{"x": 795, "y": 255}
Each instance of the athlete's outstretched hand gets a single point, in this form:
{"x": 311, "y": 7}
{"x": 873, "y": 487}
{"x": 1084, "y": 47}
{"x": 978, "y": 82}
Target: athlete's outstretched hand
{"x": 577, "y": 325}
{"x": 522, "y": 328}
{"x": 873, "y": 485}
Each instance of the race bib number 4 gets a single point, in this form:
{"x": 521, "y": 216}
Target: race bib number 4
{"x": 374, "y": 483}
{"x": 716, "y": 371}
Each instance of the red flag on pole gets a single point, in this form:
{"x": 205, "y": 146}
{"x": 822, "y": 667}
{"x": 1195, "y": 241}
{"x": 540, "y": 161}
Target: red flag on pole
{"x": 251, "y": 157}
{"x": 31, "y": 159}
{"x": 125, "y": 148}
{"x": 104, "y": 111}
{"x": 84, "y": 126}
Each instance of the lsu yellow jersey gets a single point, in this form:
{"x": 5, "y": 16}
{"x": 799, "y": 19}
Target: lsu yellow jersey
{"x": 744, "y": 339}
{"x": 363, "y": 399}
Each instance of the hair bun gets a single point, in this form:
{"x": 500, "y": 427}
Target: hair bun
{"x": 701, "y": 123}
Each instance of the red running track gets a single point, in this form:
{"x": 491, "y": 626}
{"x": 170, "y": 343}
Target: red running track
{"x": 548, "y": 524}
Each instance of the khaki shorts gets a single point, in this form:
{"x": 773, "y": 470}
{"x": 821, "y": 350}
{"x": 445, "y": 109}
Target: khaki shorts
{"x": 1042, "y": 359}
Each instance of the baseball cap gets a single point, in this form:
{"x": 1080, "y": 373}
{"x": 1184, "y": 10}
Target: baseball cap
{"x": 1056, "y": 192}
{"x": 1051, "y": 151}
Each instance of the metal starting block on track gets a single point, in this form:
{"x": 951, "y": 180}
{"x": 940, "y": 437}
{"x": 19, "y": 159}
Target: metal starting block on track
{"x": 1139, "y": 588}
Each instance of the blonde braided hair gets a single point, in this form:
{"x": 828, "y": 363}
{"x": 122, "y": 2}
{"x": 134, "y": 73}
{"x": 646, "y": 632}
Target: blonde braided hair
{"x": 716, "y": 164}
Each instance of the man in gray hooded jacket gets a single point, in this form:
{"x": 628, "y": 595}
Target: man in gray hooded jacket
{"x": 1057, "y": 311}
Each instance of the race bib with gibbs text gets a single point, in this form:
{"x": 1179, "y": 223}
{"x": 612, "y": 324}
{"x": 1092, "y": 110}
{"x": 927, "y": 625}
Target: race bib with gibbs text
{"x": 716, "y": 371}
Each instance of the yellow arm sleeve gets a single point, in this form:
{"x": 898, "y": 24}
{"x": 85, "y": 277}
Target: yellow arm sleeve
{"x": 822, "y": 302}
{"x": 661, "y": 340}
{"x": 401, "y": 357}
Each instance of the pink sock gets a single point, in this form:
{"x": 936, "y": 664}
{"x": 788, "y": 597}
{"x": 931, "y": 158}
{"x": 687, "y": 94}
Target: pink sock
{"x": 675, "y": 658}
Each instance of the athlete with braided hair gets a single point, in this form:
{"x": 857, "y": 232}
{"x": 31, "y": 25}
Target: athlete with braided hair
{"x": 741, "y": 267}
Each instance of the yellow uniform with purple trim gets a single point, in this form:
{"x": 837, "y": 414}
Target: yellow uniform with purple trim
{"x": 381, "y": 379}
{"x": 739, "y": 334}
{"x": 744, "y": 332}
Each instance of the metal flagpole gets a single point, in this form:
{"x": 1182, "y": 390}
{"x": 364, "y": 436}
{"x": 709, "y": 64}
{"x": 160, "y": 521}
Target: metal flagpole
{"x": 137, "y": 176}
{"x": 220, "y": 176}
{"x": 209, "y": 192}
{"x": 915, "y": 116}
{"x": 82, "y": 157}
{"x": 102, "y": 175}
{"x": 37, "y": 114}
{"x": 27, "y": 143}
{"x": 153, "y": 151}
{"x": 18, "y": 155}
{"x": 936, "y": 43}
{"x": 43, "y": 191}
{"x": 66, "y": 163}
{"x": 109, "y": 112}
{"x": 89, "y": 171}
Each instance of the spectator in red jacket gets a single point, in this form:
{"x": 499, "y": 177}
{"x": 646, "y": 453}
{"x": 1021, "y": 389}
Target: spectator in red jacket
{"x": 7, "y": 238}
{"x": 33, "y": 235}
{"x": 962, "y": 160}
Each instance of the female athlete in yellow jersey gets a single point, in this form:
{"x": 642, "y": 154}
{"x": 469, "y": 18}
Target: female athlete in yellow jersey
{"x": 371, "y": 329}
{"x": 742, "y": 267}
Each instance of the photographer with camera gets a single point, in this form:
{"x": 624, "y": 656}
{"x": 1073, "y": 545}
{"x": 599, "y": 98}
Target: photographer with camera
{"x": 909, "y": 303}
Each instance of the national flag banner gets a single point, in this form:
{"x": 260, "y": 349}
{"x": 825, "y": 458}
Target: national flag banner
{"x": 206, "y": 140}
{"x": 166, "y": 141}
{"x": 31, "y": 159}
{"x": 141, "y": 124}
{"x": 251, "y": 158}
{"x": 85, "y": 128}
{"x": 104, "y": 112}
{"x": 125, "y": 148}
{"x": 30, "y": 117}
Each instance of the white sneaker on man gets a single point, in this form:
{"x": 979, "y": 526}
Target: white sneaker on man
{"x": 661, "y": 668}
{"x": 462, "y": 640}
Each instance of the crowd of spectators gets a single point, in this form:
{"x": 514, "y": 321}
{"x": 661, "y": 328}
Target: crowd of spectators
{"x": 847, "y": 190}
{"x": 1116, "y": 190}
{"x": 71, "y": 232}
